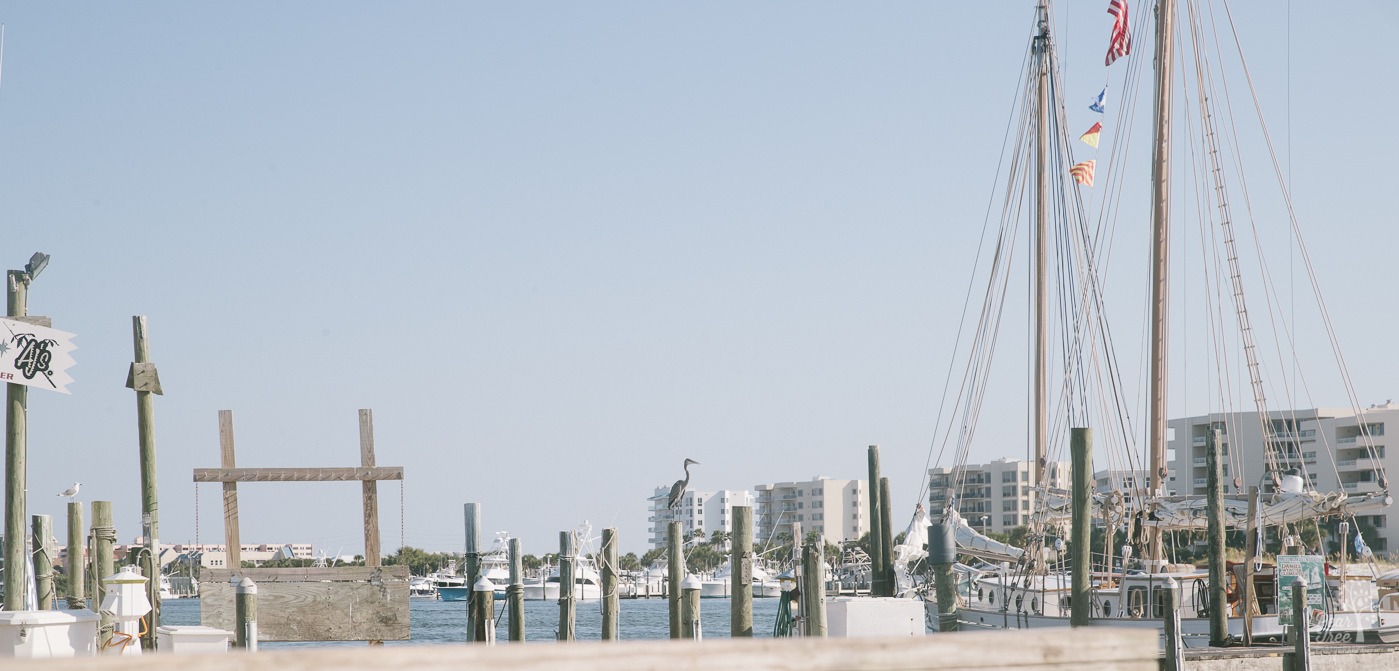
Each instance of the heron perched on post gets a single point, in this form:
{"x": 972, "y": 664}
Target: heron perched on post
{"x": 677, "y": 490}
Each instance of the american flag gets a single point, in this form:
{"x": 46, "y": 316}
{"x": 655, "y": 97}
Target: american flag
{"x": 1121, "y": 42}
{"x": 1083, "y": 172}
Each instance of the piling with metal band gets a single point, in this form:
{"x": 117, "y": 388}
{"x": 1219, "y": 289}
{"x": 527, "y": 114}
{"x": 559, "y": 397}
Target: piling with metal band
{"x": 690, "y": 608}
{"x": 104, "y": 537}
{"x": 245, "y": 615}
{"x": 1081, "y": 535}
{"x": 43, "y": 560}
{"x": 483, "y": 611}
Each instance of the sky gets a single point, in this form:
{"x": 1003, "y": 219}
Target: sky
{"x": 557, "y": 248}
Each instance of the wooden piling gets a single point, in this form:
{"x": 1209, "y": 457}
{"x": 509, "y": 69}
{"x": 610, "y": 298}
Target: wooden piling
{"x": 1301, "y": 637}
{"x": 43, "y": 560}
{"x": 876, "y": 525}
{"x": 942, "y": 554}
{"x": 1214, "y": 477}
{"x": 75, "y": 565}
{"x": 16, "y": 450}
{"x": 483, "y": 611}
{"x": 568, "y": 602}
{"x": 515, "y": 593}
{"x": 741, "y": 561}
{"x": 886, "y": 538}
{"x": 1081, "y": 445}
{"x": 675, "y": 569}
{"x": 104, "y": 535}
{"x": 1250, "y": 598}
{"x": 472, "y": 512}
{"x": 145, "y": 432}
{"x": 1174, "y": 659}
{"x": 690, "y": 624}
{"x": 245, "y": 615}
{"x": 611, "y": 606}
{"x": 814, "y": 588}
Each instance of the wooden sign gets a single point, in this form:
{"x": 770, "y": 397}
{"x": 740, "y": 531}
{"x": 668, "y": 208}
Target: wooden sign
{"x": 314, "y": 604}
{"x": 35, "y": 356}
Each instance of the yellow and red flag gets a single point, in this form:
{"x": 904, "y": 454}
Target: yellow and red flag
{"x": 1091, "y": 137}
{"x": 1083, "y": 172}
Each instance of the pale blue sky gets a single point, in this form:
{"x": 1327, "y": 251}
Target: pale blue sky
{"x": 559, "y": 247}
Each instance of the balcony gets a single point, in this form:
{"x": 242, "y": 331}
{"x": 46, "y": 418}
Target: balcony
{"x": 1199, "y": 441}
{"x": 1362, "y": 487}
{"x": 1349, "y": 440}
{"x": 1200, "y": 462}
{"x": 1201, "y": 482}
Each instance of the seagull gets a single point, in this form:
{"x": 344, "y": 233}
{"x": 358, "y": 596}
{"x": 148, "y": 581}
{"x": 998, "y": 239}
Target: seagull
{"x": 71, "y": 491}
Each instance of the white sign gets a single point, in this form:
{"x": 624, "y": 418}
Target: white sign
{"x": 35, "y": 356}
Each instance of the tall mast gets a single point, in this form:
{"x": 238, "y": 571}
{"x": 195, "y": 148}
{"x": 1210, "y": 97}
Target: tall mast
{"x": 1040, "y": 415}
{"x": 1160, "y": 254}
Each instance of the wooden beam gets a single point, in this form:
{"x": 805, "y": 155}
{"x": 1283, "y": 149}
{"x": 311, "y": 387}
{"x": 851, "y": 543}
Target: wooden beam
{"x": 371, "y": 489}
{"x": 230, "y": 491}
{"x": 333, "y": 474}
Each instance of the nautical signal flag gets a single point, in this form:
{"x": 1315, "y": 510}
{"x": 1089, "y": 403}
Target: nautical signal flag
{"x": 1099, "y": 103}
{"x": 1120, "y": 43}
{"x": 1083, "y": 172}
{"x": 1091, "y": 137}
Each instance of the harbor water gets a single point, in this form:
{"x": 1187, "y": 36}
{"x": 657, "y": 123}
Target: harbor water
{"x": 432, "y": 621}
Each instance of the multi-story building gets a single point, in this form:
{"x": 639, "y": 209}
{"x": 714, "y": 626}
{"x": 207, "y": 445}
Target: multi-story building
{"x": 701, "y": 511}
{"x": 994, "y": 497}
{"x": 1333, "y": 449}
{"x": 837, "y": 508}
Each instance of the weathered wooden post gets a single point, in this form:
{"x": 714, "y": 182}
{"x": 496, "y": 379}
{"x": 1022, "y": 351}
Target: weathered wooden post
{"x": 741, "y": 560}
{"x": 876, "y": 526}
{"x": 483, "y": 610}
{"x": 515, "y": 593}
{"x": 1301, "y": 655}
{"x": 104, "y": 535}
{"x": 245, "y": 615}
{"x": 142, "y": 379}
{"x": 16, "y": 451}
{"x": 76, "y": 562}
{"x": 1219, "y": 602}
{"x": 43, "y": 560}
{"x": 814, "y": 587}
{"x": 1345, "y": 534}
{"x": 611, "y": 605}
{"x": 568, "y": 606}
{"x": 473, "y": 564}
{"x": 1250, "y": 599}
{"x": 1170, "y": 615}
{"x": 690, "y": 626}
{"x": 886, "y": 537}
{"x": 942, "y": 554}
{"x": 675, "y": 567}
{"x": 1081, "y": 444}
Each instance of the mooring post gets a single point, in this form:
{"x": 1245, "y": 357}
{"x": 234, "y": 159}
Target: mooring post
{"x": 16, "y": 450}
{"x": 690, "y": 626}
{"x": 472, "y": 513}
{"x": 75, "y": 564}
{"x": 245, "y": 615}
{"x": 43, "y": 560}
{"x": 942, "y": 554}
{"x": 1250, "y": 599}
{"x": 876, "y": 526}
{"x": 1081, "y": 534}
{"x": 1170, "y": 616}
{"x": 483, "y": 610}
{"x": 886, "y": 538}
{"x": 515, "y": 593}
{"x": 104, "y": 535}
{"x": 1301, "y": 635}
{"x": 611, "y": 605}
{"x": 143, "y": 380}
{"x": 814, "y": 587}
{"x": 741, "y": 561}
{"x": 675, "y": 566}
{"x": 1219, "y": 602}
{"x": 568, "y": 607}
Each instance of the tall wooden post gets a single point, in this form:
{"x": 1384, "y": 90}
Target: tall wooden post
{"x": 1250, "y": 599}
{"x": 245, "y": 615}
{"x": 814, "y": 588}
{"x": 472, "y": 512}
{"x": 515, "y": 593}
{"x": 75, "y": 565}
{"x": 104, "y": 535}
{"x": 741, "y": 561}
{"x": 886, "y": 538}
{"x": 144, "y": 381}
{"x": 942, "y": 554}
{"x": 876, "y": 525}
{"x": 43, "y": 560}
{"x": 1175, "y": 645}
{"x": 675, "y": 571}
{"x": 1219, "y": 603}
{"x": 611, "y": 605}
{"x": 16, "y": 451}
{"x": 568, "y": 600}
{"x": 232, "y": 547}
{"x": 1081, "y": 535}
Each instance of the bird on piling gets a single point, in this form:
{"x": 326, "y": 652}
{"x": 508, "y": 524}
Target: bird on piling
{"x": 677, "y": 490}
{"x": 71, "y": 491}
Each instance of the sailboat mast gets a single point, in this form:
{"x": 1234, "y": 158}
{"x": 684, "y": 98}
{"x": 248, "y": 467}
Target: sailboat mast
{"x": 1160, "y": 254}
{"x": 1040, "y": 415}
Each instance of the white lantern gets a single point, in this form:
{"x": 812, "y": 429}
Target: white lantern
{"x": 126, "y": 604}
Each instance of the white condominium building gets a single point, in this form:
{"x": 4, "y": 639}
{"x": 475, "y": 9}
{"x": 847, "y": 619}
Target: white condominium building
{"x": 697, "y": 511}
{"x": 837, "y": 508}
{"x": 994, "y": 497}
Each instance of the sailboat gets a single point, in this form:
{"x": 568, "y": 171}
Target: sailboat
{"x": 1028, "y": 586}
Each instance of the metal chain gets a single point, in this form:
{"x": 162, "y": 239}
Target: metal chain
{"x": 401, "y": 516}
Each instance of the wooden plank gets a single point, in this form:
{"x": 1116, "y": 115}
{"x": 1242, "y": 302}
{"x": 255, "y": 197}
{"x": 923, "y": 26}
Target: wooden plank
{"x": 230, "y": 491}
{"x": 385, "y": 574}
{"x": 372, "y": 555}
{"x": 334, "y": 474}
{"x": 315, "y": 611}
{"x": 1097, "y": 648}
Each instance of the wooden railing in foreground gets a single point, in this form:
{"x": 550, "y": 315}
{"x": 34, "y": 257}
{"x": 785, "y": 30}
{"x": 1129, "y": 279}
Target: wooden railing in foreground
{"x": 1097, "y": 648}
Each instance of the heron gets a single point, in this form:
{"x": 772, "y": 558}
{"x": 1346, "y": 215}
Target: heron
{"x": 677, "y": 490}
{"x": 71, "y": 491}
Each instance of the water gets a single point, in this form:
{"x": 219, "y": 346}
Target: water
{"x": 432, "y": 621}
